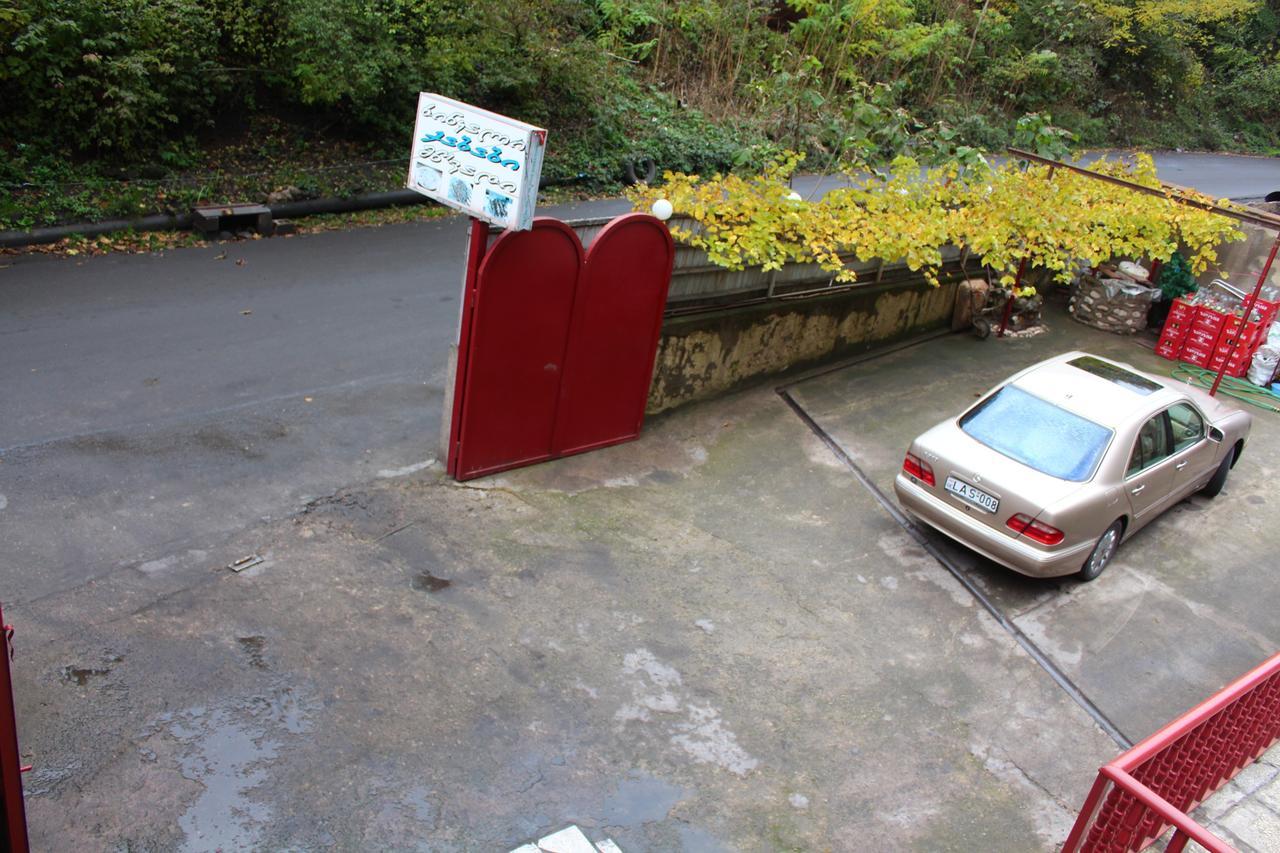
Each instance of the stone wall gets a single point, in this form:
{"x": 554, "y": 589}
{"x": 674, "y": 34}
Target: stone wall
{"x": 706, "y": 354}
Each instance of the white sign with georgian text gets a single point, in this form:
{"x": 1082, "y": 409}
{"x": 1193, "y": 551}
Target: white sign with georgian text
{"x": 475, "y": 161}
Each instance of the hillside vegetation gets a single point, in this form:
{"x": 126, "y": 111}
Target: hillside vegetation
{"x": 221, "y": 91}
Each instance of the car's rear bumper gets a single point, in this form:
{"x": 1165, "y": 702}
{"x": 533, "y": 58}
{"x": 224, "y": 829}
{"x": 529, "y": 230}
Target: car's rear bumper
{"x": 1012, "y": 553}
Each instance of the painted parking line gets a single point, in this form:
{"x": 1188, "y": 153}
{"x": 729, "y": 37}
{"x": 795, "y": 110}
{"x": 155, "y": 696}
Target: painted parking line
{"x": 1029, "y": 646}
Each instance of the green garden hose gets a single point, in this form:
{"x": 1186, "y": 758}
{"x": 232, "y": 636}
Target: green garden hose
{"x": 1240, "y": 389}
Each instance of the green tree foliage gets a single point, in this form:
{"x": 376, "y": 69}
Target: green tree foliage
{"x": 699, "y": 83}
{"x": 876, "y": 77}
{"x": 107, "y": 74}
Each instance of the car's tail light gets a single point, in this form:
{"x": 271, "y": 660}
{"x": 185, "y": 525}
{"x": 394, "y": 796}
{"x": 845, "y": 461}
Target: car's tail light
{"x": 918, "y": 468}
{"x": 1037, "y": 530}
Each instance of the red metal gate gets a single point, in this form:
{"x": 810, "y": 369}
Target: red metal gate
{"x": 13, "y": 829}
{"x": 556, "y": 350}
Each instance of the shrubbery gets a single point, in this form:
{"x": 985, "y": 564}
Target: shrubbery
{"x": 123, "y": 76}
{"x": 1050, "y": 219}
{"x": 698, "y": 85}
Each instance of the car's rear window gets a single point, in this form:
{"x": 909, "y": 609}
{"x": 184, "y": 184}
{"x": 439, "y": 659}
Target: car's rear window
{"x": 1038, "y": 434}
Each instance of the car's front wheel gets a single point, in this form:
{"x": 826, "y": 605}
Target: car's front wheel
{"x": 1102, "y": 553}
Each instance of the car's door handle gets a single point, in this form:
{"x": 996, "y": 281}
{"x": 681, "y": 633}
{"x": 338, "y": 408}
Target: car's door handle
{"x": 1180, "y": 465}
{"x": 1137, "y": 490}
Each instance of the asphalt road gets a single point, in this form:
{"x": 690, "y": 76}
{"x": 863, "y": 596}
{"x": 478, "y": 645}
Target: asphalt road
{"x": 153, "y": 405}
{"x": 159, "y": 403}
{"x": 1221, "y": 175}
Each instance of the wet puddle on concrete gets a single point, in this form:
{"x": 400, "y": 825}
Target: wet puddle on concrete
{"x": 254, "y": 647}
{"x": 427, "y": 582}
{"x": 640, "y": 799}
{"x": 228, "y": 749}
{"x": 82, "y": 675}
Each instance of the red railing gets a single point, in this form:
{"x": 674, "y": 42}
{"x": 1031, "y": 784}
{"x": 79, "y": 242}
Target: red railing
{"x": 1153, "y": 786}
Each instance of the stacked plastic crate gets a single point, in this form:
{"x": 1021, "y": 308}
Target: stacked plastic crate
{"x": 1207, "y": 336}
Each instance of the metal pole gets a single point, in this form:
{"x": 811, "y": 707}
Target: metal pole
{"x": 1008, "y": 306}
{"x": 1017, "y": 282}
{"x": 1169, "y": 191}
{"x": 15, "y": 813}
{"x": 1248, "y": 309}
{"x": 476, "y": 248}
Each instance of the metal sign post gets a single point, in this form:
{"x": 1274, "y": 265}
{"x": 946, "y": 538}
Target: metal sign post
{"x": 487, "y": 166}
{"x": 477, "y": 244}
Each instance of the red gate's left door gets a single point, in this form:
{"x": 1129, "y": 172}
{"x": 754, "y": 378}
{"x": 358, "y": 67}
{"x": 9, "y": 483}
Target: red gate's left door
{"x": 519, "y": 332}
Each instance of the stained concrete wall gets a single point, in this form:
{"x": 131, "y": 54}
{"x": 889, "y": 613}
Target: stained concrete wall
{"x": 702, "y": 355}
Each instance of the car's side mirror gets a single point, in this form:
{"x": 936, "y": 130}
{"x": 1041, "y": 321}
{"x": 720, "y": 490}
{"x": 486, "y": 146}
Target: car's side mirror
{"x": 1215, "y": 434}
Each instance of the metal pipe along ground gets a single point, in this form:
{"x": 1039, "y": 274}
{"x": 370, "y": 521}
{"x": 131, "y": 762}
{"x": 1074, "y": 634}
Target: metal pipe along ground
{"x": 176, "y": 222}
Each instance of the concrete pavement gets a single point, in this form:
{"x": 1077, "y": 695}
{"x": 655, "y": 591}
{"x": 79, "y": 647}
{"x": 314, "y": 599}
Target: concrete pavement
{"x": 156, "y": 401}
{"x": 709, "y": 639}
{"x": 706, "y": 640}
{"x": 712, "y": 638}
{"x": 152, "y": 401}
{"x": 1246, "y": 811}
{"x": 1187, "y": 604}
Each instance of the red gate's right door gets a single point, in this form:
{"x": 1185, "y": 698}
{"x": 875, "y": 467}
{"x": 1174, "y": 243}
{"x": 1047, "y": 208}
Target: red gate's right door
{"x": 614, "y": 335}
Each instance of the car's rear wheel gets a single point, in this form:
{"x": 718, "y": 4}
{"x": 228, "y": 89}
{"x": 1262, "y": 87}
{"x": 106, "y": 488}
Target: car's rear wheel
{"x": 1219, "y": 478}
{"x": 1102, "y": 553}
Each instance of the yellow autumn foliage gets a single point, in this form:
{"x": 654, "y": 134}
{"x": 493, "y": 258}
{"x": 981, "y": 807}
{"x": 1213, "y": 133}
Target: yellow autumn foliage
{"x": 1052, "y": 219}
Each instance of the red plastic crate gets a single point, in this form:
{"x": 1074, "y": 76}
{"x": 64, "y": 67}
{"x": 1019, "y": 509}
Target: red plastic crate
{"x": 1233, "y": 368}
{"x": 1228, "y": 346}
{"x": 1268, "y": 309}
{"x": 1195, "y": 355}
{"x": 1218, "y": 355}
{"x": 1250, "y": 333}
{"x": 1209, "y": 320}
{"x": 1175, "y": 329}
{"x": 1181, "y": 311}
{"x": 1167, "y": 348}
{"x": 1201, "y": 339}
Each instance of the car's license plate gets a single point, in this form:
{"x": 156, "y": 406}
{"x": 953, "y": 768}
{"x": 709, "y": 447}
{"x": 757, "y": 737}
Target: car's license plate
{"x": 977, "y": 497}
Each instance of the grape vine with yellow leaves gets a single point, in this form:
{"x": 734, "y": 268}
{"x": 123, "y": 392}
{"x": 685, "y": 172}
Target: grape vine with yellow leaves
{"x": 1052, "y": 219}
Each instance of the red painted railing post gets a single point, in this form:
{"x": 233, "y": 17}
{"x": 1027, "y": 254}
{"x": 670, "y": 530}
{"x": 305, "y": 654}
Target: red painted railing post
{"x": 1008, "y": 306}
{"x": 15, "y": 813}
{"x": 1076, "y": 839}
{"x": 1248, "y": 309}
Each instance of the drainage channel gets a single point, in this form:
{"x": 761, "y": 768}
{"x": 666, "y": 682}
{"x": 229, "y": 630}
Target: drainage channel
{"x": 1046, "y": 663}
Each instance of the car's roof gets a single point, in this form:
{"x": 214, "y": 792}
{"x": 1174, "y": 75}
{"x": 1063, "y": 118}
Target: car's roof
{"x": 1106, "y": 392}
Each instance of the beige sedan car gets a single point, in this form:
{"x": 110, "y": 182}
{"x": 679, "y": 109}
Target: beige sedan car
{"x": 1052, "y": 469}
